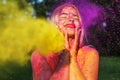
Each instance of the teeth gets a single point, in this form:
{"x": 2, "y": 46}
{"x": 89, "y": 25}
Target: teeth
{"x": 70, "y": 28}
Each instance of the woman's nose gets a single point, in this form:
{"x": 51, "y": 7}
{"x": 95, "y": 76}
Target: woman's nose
{"x": 70, "y": 18}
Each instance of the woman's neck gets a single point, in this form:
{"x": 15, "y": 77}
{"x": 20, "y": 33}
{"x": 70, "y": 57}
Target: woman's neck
{"x": 71, "y": 42}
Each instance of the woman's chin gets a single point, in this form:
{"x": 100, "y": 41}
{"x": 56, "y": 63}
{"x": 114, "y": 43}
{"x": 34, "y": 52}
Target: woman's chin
{"x": 70, "y": 31}
{"x": 71, "y": 34}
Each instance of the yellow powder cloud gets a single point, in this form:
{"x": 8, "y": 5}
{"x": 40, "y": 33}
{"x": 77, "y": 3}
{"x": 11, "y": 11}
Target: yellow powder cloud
{"x": 20, "y": 34}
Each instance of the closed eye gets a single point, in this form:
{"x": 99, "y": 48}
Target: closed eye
{"x": 63, "y": 15}
{"x": 75, "y": 17}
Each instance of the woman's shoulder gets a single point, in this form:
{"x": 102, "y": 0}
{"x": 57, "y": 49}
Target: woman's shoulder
{"x": 88, "y": 50}
{"x": 51, "y": 59}
{"x": 38, "y": 53}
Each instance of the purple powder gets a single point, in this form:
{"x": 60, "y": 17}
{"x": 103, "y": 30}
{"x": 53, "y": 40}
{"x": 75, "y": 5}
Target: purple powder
{"x": 90, "y": 12}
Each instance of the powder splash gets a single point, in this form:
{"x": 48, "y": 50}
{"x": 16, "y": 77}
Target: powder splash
{"x": 90, "y": 12}
{"x": 22, "y": 34}
{"x": 21, "y": 37}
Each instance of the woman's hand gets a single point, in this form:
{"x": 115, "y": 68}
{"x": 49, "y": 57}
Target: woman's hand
{"x": 72, "y": 48}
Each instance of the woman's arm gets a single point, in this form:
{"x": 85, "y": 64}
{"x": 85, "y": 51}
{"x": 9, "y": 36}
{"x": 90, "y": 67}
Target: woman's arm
{"x": 88, "y": 60}
{"x": 40, "y": 68}
{"x": 75, "y": 72}
{"x": 62, "y": 68}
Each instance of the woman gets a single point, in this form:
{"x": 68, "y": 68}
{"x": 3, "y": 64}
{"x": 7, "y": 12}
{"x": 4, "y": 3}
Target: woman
{"x": 77, "y": 61}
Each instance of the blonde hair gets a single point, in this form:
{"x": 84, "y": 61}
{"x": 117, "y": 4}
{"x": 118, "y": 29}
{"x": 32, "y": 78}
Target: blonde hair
{"x": 55, "y": 16}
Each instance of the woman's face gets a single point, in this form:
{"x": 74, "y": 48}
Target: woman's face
{"x": 68, "y": 20}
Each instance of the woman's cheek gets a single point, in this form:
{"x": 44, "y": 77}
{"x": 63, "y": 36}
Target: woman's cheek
{"x": 77, "y": 24}
{"x": 61, "y": 22}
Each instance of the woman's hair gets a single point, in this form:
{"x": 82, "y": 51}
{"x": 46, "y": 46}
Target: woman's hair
{"x": 55, "y": 17}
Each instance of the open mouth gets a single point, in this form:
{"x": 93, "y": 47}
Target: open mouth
{"x": 69, "y": 26}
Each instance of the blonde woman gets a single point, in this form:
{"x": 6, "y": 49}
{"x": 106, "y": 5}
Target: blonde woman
{"x": 77, "y": 61}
